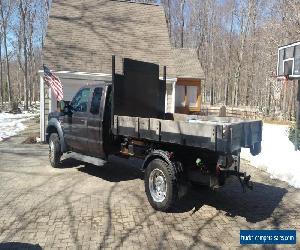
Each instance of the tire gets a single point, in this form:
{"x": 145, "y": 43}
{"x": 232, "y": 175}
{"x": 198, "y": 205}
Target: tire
{"x": 197, "y": 185}
{"x": 161, "y": 185}
{"x": 54, "y": 151}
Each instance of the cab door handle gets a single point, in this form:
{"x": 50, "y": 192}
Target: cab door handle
{"x": 84, "y": 121}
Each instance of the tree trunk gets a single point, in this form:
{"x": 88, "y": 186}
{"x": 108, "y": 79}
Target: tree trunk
{"x": 212, "y": 94}
{"x": 1, "y": 73}
{"x": 4, "y": 29}
{"x": 269, "y": 98}
{"x": 23, "y": 10}
{"x": 31, "y": 56}
{"x": 167, "y": 7}
{"x": 182, "y": 22}
{"x": 7, "y": 70}
{"x": 229, "y": 62}
{"x": 253, "y": 14}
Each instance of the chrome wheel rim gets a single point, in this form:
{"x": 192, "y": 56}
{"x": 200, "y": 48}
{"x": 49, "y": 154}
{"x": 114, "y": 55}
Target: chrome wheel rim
{"x": 158, "y": 185}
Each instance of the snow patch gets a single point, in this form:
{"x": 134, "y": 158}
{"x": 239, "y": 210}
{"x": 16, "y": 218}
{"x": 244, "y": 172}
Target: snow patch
{"x": 12, "y": 124}
{"x": 278, "y": 156}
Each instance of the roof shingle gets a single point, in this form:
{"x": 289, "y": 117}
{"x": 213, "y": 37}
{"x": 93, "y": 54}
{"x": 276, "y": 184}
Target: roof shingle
{"x": 187, "y": 63}
{"x": 83, "y": 35}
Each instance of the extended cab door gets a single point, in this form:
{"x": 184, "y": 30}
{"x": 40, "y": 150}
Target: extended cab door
{"x": 76, "y": 122}
{"x": 95, "y": 120}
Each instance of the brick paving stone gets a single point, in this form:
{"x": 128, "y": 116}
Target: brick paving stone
{"x": 87, "y": 207}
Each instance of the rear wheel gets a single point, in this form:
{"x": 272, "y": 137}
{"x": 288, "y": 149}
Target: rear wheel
{"x": 54, "y": 151}
{"x": 161, "y": 185}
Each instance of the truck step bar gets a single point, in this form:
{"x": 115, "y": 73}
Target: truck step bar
{"x": 87, "y": 159}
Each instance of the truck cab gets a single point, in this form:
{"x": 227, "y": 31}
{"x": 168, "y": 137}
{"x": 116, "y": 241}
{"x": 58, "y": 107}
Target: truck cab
{"x": 79, "y": 125}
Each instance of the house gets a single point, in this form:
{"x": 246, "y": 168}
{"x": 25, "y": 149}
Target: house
{"x": 82, "y": 36}
{"x": 188, "y": 80}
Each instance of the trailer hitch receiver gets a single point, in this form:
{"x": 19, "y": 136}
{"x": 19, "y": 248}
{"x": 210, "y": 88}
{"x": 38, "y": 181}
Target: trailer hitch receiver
{"x": 243, "y": 178}
{"x": 245, "y": 181}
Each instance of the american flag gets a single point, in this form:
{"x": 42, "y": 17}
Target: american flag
{"x": 54, "y": 83}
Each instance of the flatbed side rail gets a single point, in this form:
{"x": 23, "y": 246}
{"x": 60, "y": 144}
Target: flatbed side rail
{"x": 227, "y": 138}
{"x": 183, "y": 133}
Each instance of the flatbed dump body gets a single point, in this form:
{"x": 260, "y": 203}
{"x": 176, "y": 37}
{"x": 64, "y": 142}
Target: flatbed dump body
{"x": 220, "y": 134}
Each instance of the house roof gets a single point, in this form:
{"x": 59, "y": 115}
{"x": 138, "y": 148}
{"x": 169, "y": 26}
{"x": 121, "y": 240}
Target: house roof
{"x": 83, "y": 36}
{"x": 187, "y": 63}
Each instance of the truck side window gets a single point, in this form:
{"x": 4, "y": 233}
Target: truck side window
{"x": 95, "y": 105}
{"x": 80, "y": 101}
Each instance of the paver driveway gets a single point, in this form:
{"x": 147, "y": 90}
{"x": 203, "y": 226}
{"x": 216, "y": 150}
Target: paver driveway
{"x": 105, "y": 207}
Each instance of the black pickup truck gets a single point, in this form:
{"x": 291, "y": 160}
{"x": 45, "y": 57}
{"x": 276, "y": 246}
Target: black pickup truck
{"x": 126, "y": 118}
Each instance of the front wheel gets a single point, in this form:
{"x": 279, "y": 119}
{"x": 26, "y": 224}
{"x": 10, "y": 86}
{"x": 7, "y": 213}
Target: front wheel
{"x": 161, "y": 185}
{"x": 54, "y": 151}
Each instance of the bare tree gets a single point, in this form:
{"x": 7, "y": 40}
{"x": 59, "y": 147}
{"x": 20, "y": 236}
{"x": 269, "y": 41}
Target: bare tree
{"x": 236, "y": 42}
{"x": 1, "y": 67}
{"x": 167, "y": 7}
{"x": 5, "y": 12}
{"x": 23, "y": 8}
{"x": 182, "y": 6}
{"x": 229, "y": 75}
{"x": 253, "y": 22}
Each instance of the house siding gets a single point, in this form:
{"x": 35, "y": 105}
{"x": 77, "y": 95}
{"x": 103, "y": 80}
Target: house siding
{"x": 170, "y": 96}
{"x": 47, "y": 105}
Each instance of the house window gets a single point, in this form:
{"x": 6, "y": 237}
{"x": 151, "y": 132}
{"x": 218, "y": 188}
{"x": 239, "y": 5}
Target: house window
{"x": 192, "y": 96}
{"x": 187, "y": 95}
{"x": 180, "y": 96}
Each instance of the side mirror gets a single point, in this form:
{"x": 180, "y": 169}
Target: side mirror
{"x": 67, "y": 110}
{"x": 62, "y": 106}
